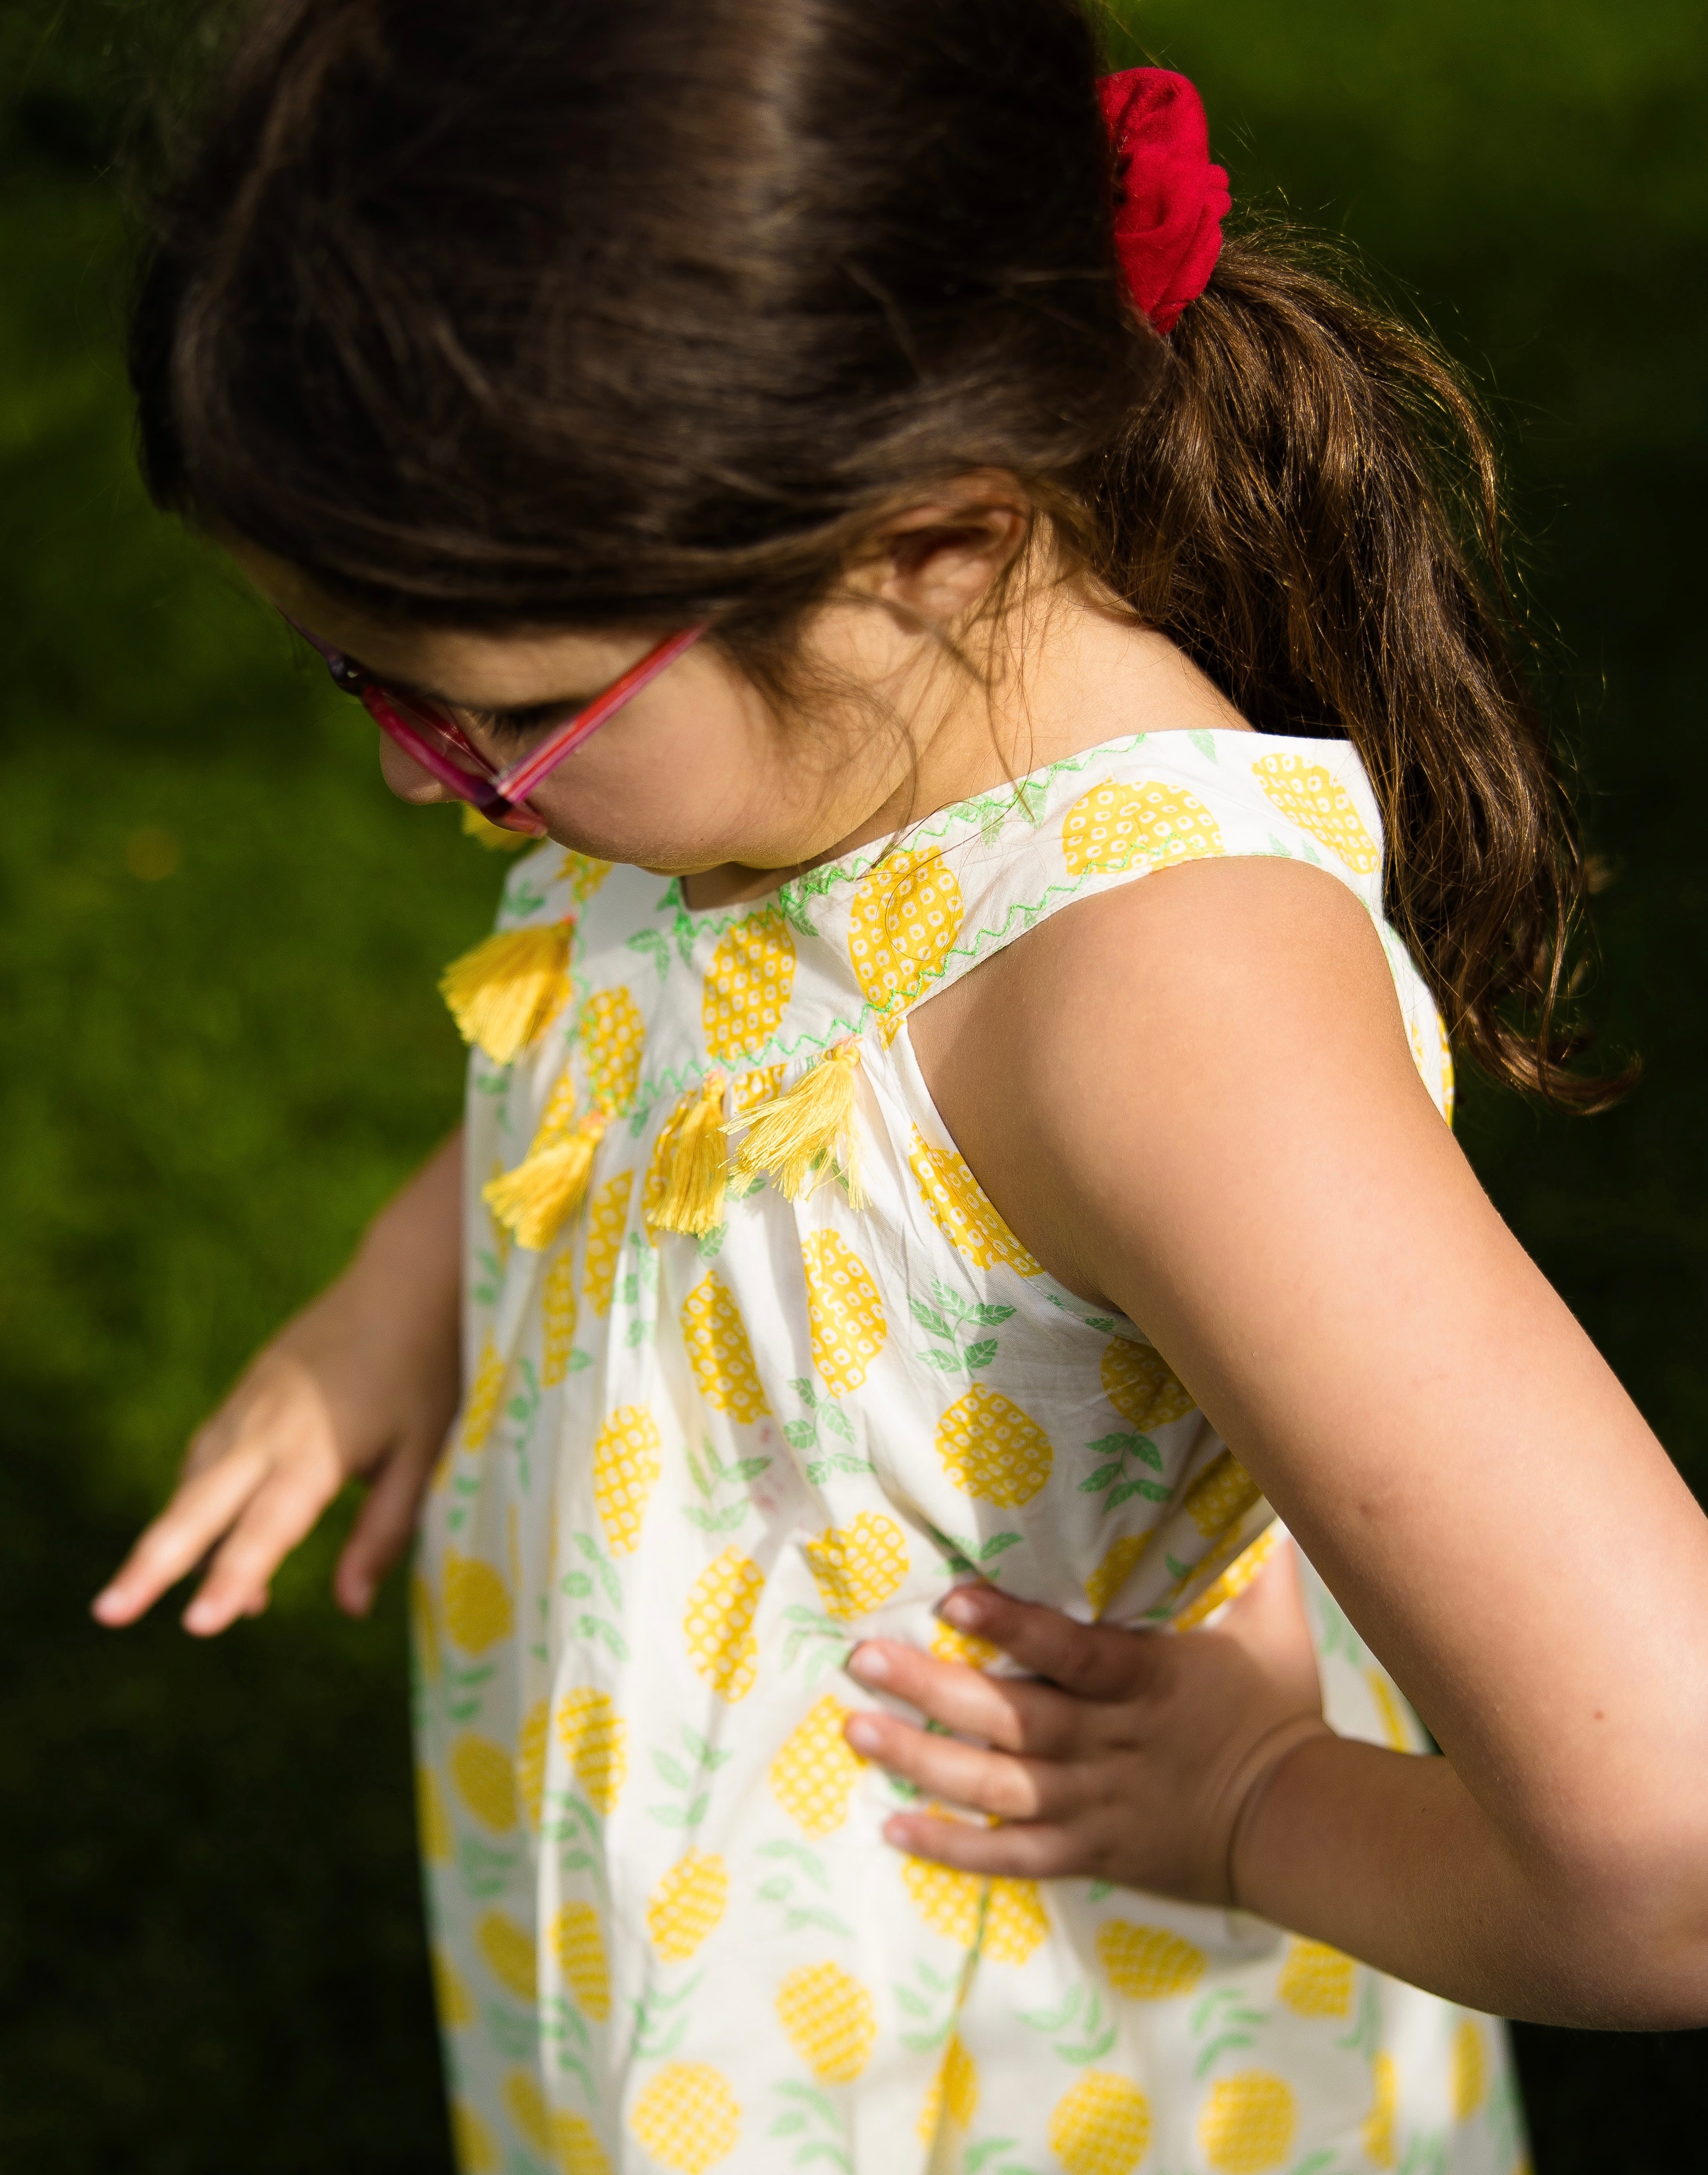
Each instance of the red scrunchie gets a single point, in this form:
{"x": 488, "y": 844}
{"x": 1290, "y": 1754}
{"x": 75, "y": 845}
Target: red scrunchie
{"x": 1170, "y": 200}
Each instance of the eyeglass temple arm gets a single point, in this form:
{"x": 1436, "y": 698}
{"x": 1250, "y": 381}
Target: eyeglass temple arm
{"x": 519, "y": 780}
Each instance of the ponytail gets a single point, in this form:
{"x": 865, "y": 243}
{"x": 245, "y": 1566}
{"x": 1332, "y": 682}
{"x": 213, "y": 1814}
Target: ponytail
{"x": 1309, "y": 506}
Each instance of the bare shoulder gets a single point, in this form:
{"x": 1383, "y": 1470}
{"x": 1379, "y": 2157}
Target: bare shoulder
{"x": 1160, "y": 1031}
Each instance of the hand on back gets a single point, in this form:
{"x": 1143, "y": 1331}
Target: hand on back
{"x": 1126, "y": 1756}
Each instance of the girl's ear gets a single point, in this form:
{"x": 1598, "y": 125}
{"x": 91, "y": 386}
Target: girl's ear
{"x": 939, "y": 560}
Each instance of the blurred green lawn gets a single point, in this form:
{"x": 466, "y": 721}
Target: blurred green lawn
{"x": 222, "y": 1047}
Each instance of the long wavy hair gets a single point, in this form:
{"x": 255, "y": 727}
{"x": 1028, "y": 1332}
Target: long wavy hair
{"x": 607, "y": 313}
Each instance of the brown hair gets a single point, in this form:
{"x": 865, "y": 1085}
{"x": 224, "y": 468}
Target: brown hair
{"x": 636, "y": 311}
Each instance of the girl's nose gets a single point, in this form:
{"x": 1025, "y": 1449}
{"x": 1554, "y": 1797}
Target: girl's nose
{"x": 406, "y": 776}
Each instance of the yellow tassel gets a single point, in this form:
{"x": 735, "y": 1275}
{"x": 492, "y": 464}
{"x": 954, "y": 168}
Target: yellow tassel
{"x": 690, "y": 1164}
{"x": 800, "y": 1138}
{"x": 494, "y": 836}
{"x": 503, "y": 993}
{"x": 538, "y": 1197}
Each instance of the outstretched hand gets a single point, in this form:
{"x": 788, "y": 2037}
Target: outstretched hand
{"x": 362, "y": 1385}
{"x": 1126, "y": 1756}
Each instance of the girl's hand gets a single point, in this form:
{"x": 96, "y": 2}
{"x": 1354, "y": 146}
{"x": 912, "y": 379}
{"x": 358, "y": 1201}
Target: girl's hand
{"x": 363, "y": 1384}
{"x": 1133, "y": 1761}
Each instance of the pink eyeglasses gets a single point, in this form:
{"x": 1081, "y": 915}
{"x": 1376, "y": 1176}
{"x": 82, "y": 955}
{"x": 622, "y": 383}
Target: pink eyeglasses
{"x": 435, "y": 741}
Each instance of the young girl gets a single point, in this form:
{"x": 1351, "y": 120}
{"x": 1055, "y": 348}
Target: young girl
{"x": 891, "y": 1234}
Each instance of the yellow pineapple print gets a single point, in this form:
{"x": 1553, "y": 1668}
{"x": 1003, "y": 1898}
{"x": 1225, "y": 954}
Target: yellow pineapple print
{"x": 612, "y": 1040}
{"x": 762, "y": 1085}
{"x": 1388, "y": 1711}
{"x": 476, "y": 2152}
{"x": 557, "y": 1315}
{"x": 903, "y": 923}
{"x": 858, "y": 1567}
{"x": 748, "y": 984}
{"x": 584, "y": 873}
{"x": 1246, "y": 2124}
{"x": 1232, "y": 1582}
{"x": 509, "y": 1954}
{"x": 486, "y": 1781}
{"x": 579, "y": 1946}
{"x": 1148, "y": 1963}
{"x": 525, "y": 2105}
{"x": 992, "y": 1451}
{"x": 626, "y": 1469}
{"x": 478, "y": 1614}
{"x": 950, "y": 1644}
{"x": 530, "y": 1759}
{"x": 579, "y": 2152}
{"x": 812, "y": 1777}
{"x": 1113, "y": 1573}
{"x": 953, "y": 2096}
{"x": 844, "y": 1311}
{"x": 451, "y": 1997}
{"x": 595, "y": 1738}
{"x": 717, "y": 1624}
{"x": 432, "y": 1821}
{"x": 1470, "y": 2071}
{"x": 688, "y": 2118}
{"x": 486, "y": 1395}
{"x": 1308, "y": 796}
{"x": 1137, "y": 1382}
{"x": 687, "y": 1904}
{"x": 1221, "y": 1495}
{"x": 962, "y": 1211}
{"x": 953, "y": 1904}
{"x": 1376, "y": 2133}
{"x": 1101, "y": 2126}
{"x": 1316, "y": 1980}
{"x": 607, "y": 1218}
{"x": 719, "y": 1352}
{"x": 830, "y": 2021}
{"x": 1116, "y": 826}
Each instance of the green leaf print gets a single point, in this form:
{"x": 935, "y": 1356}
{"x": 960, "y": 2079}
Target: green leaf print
{"x": 483, "y": 1870}
{"x": 823, "y": 1416}
{"x": 1365, "y": 2037}
{"x": 709, "y": 1473}
{"x": 604, "y": 1568}
{"x": 651, "y": 945}
{"x": 488, "y": 1280}
{"x": 710, "y": 1244}
{"x": 1090, "y": 2034}
{"x": 799, "y": 1911}
{"x": 812, "y": 2106}
{"x": 562, "y": 2027}
{"x": 688, "y": 1782}
{"x": 935, "y": 1999}
{"x": 657, "y": 2031}
{"x": 1226, "y": 2022}
{"x": 1205, "y": 745}
{"x": 960, "y": 1556}
{"x": 824, "y": 1643}
{"x": 948, "y": 1321}
{"x": 978, "y": 2158}
{"x": 1112, "y": 1481}
{"x": 515, "y": 2038}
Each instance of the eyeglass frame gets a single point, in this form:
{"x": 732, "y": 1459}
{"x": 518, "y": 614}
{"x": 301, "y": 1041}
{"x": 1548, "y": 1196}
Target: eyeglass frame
{"x": 498, "y": 795}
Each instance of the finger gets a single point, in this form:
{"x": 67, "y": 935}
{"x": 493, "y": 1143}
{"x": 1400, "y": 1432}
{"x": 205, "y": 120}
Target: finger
{"x": 275, "y": 1520}
{"x": 182, "y": 1534}
{"x": 1043, "y": 1850}
{"x": 1014, "y": 1716}
{"x": 1092, "y": 1661}
{"x": 383, "y": 1529}
{"x": 995, "y": 1782}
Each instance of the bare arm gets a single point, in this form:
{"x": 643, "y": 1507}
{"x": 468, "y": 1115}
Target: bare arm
{"x": 363, "y": 1383}
{"x": 1301, "y": 1235}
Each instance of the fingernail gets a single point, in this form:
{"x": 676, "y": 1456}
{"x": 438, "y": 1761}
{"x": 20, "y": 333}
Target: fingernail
{"x": 864, "y": 1735}
{"x": 105, "y": 1606}
{"x": 963, "y": 1607}
{"x": 200, "y": 1616}
{"x": 897, "y": 1834}
{"x": 869, "y": 1665}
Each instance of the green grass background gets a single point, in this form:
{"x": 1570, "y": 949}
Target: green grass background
{"x": 221, "y": 1046}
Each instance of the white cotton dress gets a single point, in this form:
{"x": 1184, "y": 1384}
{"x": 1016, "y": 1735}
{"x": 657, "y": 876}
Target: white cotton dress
{"x": 691, "y": 1473}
